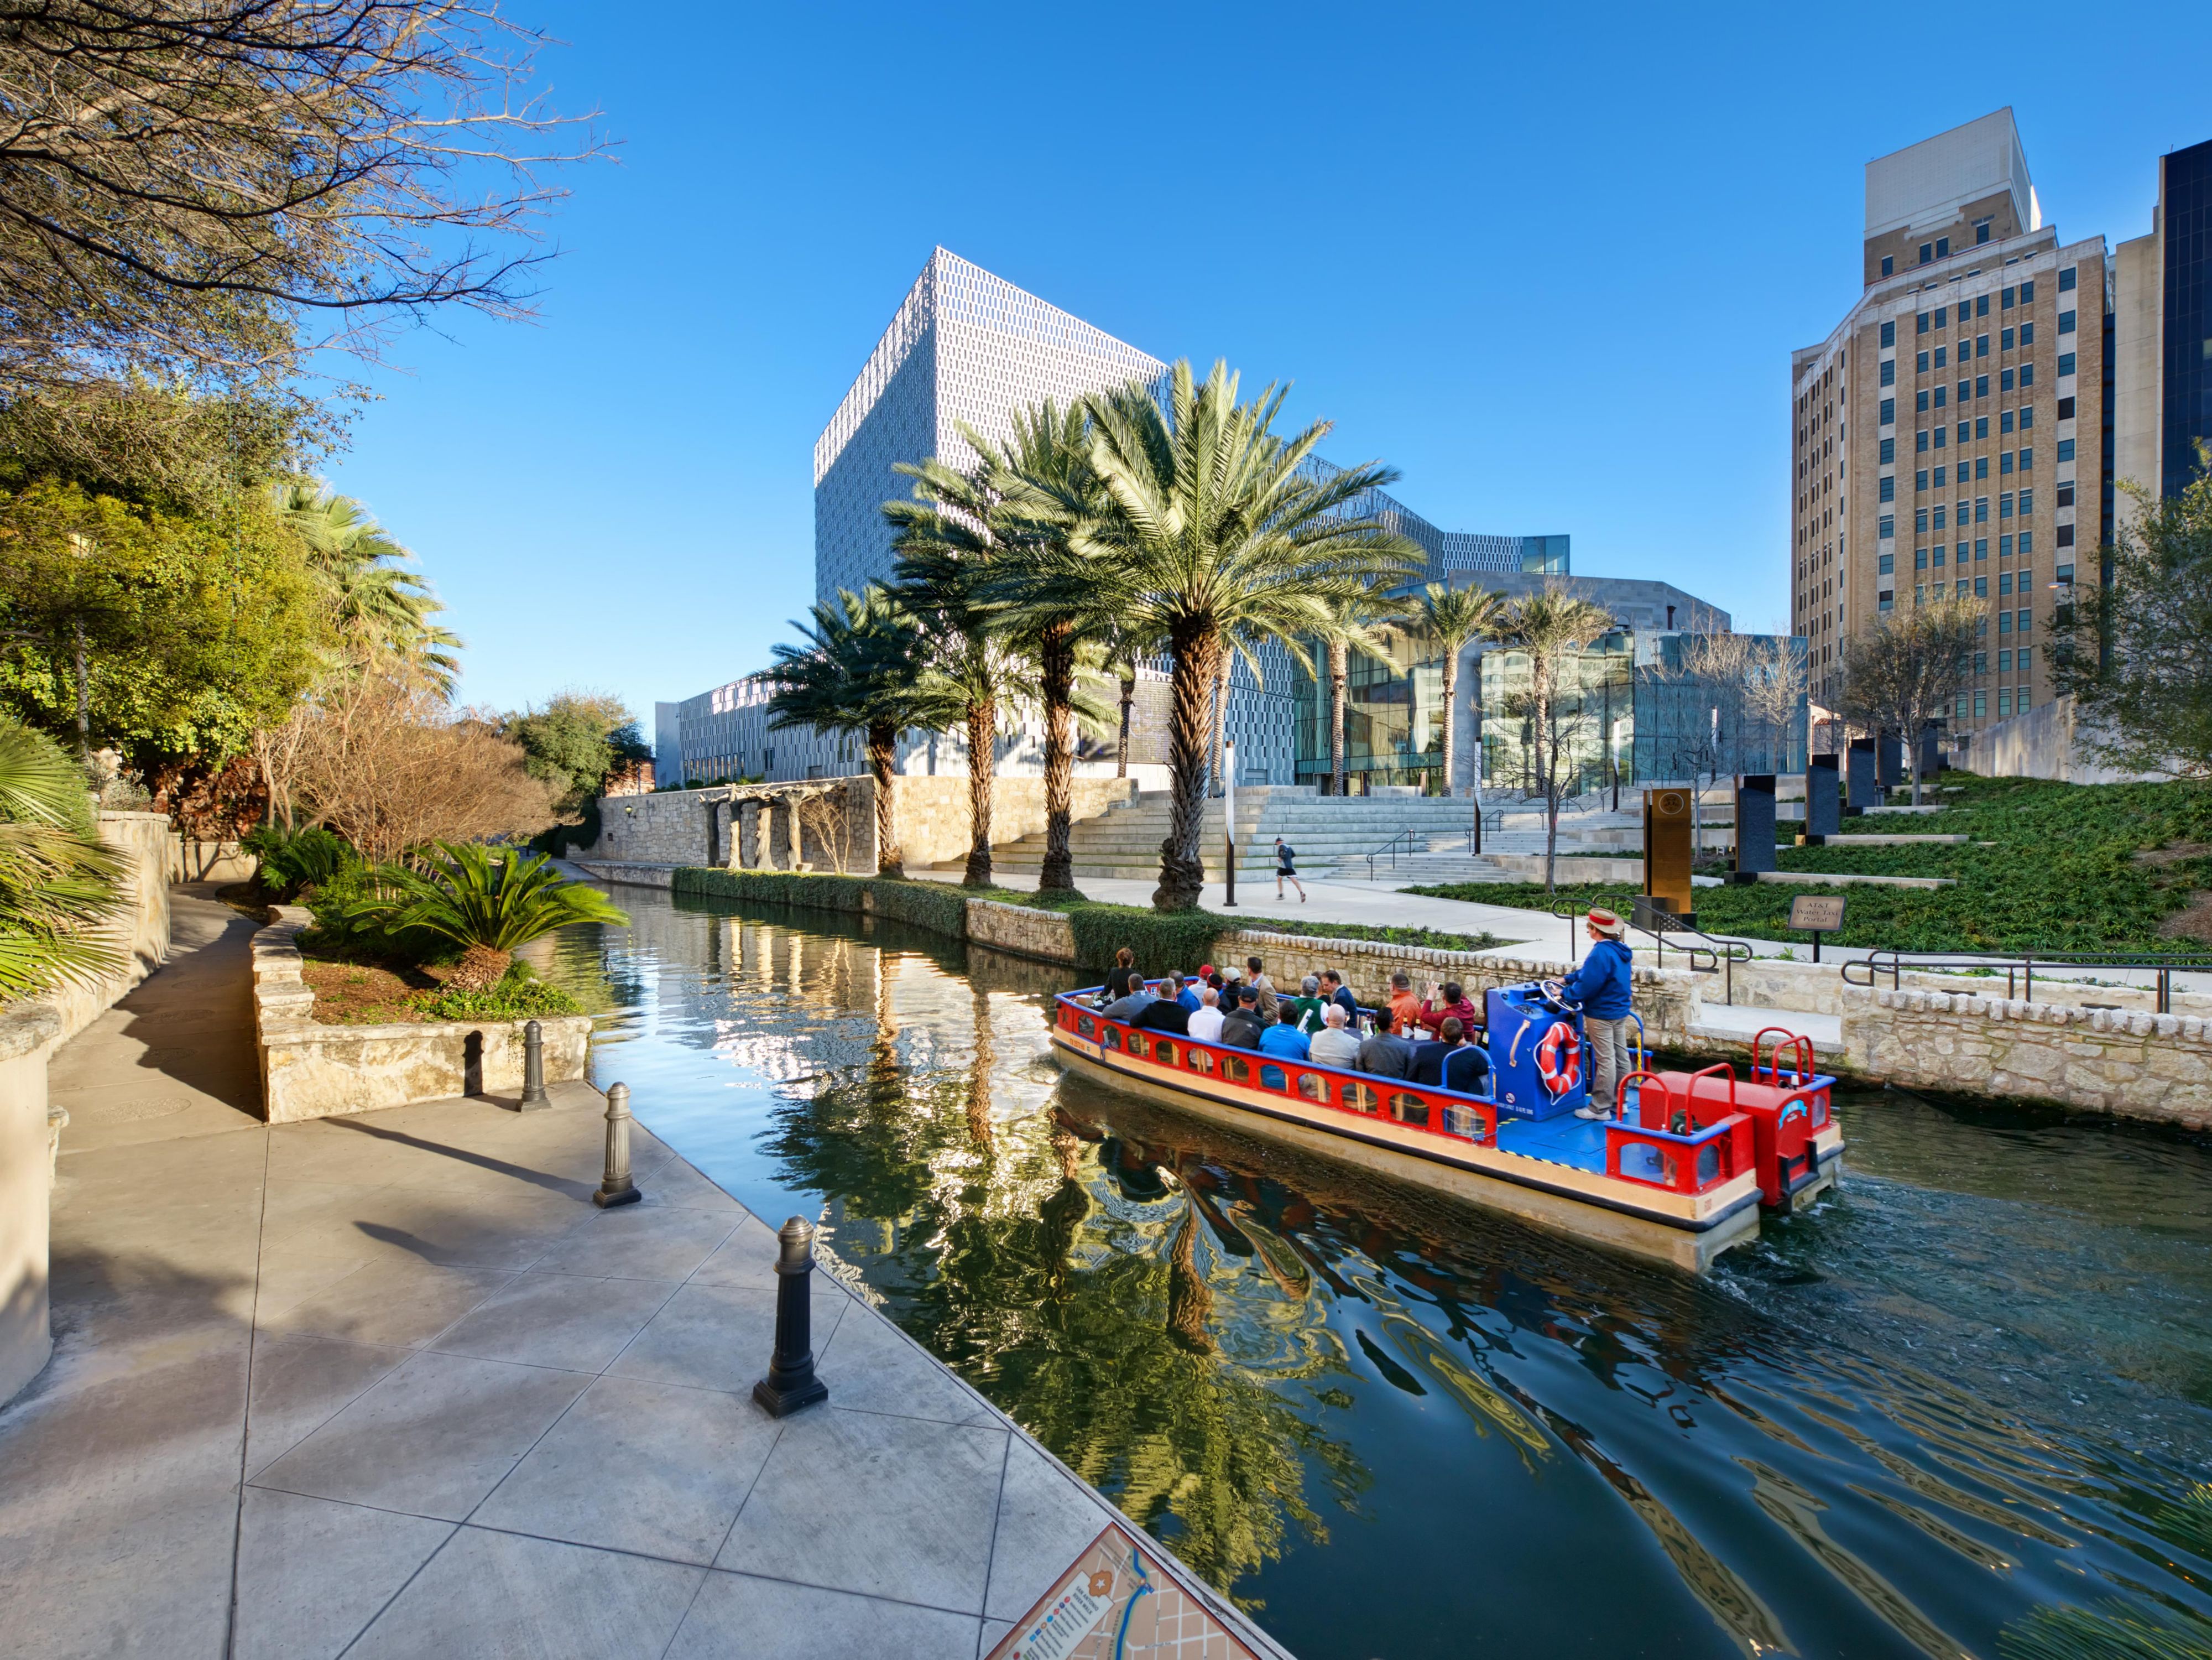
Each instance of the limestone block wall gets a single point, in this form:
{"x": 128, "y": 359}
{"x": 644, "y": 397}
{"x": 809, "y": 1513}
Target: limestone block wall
{"x": 311, "y": 1071}
{"x": 1667, "y": 1000}
{"x": 933, "y": 812}
{"x": 210, "y": 861}
{"x": 2155, "y": 1067}
{"x": 1820, "y": 988}
{"x": 1016, "y": 928}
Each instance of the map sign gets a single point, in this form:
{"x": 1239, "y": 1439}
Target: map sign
{"x": 1119, "y": 1602}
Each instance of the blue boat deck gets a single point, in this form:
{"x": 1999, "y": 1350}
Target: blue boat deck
{"x": 1565, "y": 1140}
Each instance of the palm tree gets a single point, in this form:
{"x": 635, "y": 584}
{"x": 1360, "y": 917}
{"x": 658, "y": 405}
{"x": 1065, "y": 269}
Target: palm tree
{"x": 1215, "y": 535}
{"x": 58, "y": 882}
{"x": 1553, "y": 627}
{"x": 949, "y": 538}
{"x": 374, "y": 598}
{"x": 489, "y": 901}
{"x": 1455, "y": 618}
{"x": 1356, "y": 622}
{"x": 1124, "y": 643}
{"x": 861, "y": 670}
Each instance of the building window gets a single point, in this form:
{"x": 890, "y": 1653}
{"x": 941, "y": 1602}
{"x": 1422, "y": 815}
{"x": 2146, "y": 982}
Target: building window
{"x": 1939, "y": 484}
{"x": 1943, "y": 397}
{"x": 2020, "y": 662}
{"x": 1888, "y": 488}
{"x": 2066, "y": 322}
{"x": 1887, "y": 529}
{"x": 2004, "y": 693}
{"x": 1942, "y": 360}
{"x": 1920, "y": 364}
{"x": 1982, "y": 235}
{"x": 2066, "y": 449}
{"x": 1920, "y": 402}
{"x": 1981, "y": 467}
{"x": 2065, "y": 497}
{"x": 1981, "y": 588}
{"x": 2004, "y": 662}
{"x": 1886, "y": 601}
{"x": 2027, "y": 294}
{"x": 2065, "y": 367}
{"x": 1888, "y": 263}
{"x": 2026, "y": 418}
{"x": 1920, "y": 519}
{"x": 1920, "y": 441}
{"x": 1942, "y": 437}
{"x": 2004, "y": 582}
{"x": 1889, "y": 451}
{"x": 1981, "y": 426}
{"x": 2026, "y": 544}
{"x": 2065, "y": 575}
{"x": 2066, "y": 409}
{"x": 2006, "y": 305}
{"x": 2027, "y": 334}
{"x": 2066, "y": 536}
{"x": 1920, "y": 323}
{"x": 2066, "y": 279}
{"x": 1981, "y": 662}
{"x": 1981, "y": 345}
{"x": 1939, "y": 524}
{"x": 1889, "y": 334}
{"x": 2004, "y": 421}
{"x": 1927, "y": 254}
{"x": 1889, "y": 371}
{"x": 2004, "y": 622}
{"x": 1920, "y": 559}
{"x": 2004, "y": 340}
{"x": 2027, "y": 371}
{"x": 1981, "y": 509}
{"x": 1888, "y": 412}
{"x": 1884, "y": 564}
{"x": 2004, "y": 381}
{"x": 1919, "y": 595}
{"x": 2004, "y": 462}
{"x": 2004, "y": 547}
{"x": 1981, "y": 703}
{"x": 1981, "y": 305}
{"x": 1981, "y": 386}
{"x": 2028, "y": 461}
{"x": 2005, "y": 505}
{"x": 1920, "y": 480}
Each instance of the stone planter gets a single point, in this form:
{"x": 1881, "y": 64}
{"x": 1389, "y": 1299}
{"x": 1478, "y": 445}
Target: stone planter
{"x": 313, "y": 1071}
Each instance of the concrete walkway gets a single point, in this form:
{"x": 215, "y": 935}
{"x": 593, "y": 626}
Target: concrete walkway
{"x": 391, "y": 1385}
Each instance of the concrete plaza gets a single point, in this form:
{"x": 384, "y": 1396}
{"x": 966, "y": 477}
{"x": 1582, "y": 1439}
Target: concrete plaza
{"x": 391, "y": 1385}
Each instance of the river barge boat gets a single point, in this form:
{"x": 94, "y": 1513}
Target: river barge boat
{"x": 1682, "y": 1171}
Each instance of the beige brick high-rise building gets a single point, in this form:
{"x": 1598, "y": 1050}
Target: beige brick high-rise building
{"x": 1954, "y": 431}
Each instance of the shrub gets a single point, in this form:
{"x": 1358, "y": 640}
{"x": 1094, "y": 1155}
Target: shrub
{"x": 561, "y": 840}
{"x": 774, "y": 887}
{"x": 489, "y": 901}
{"x": 511, "y": 998}
{"x": 937, "y": 906}
{"x": 1161, "y": 940}
{"x": 58, "y": 882}
{"x": 292, "y": 860}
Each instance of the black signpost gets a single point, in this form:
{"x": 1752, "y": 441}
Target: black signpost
{"x": 1816, "y": 914}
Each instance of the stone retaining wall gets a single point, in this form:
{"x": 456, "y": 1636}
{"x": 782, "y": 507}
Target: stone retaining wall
{"x": 210, "y": 861}
{"x": 313, "y": 1071}
{"x": 2155, "y": 1067}
{"x": 1043, "y": 934}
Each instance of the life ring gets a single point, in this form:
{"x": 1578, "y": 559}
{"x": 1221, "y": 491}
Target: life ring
{"x": 1559, "y": 1058}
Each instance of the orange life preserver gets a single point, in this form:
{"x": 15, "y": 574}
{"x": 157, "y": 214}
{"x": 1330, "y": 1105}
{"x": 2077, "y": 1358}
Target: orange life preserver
{"x": 1559, "y": 1058}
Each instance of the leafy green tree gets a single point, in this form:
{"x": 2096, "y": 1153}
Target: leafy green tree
{"x": 489, "y": 901}
{"x": 575, "y": 742}
{"x": 374, "y": 599}
{"x": 58, "y": 882}
{"x": 2130, "y": 649}
{"x": 1905, "y": 671}
{"x": 862, "y": 669}
{"x": 1217, "y": 533}
{"x": 1454, "y": 618}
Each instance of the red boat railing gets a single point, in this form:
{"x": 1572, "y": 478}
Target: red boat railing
{"x": 1686, "y": 1161}
{"x": 1799, "y": 1047}
{"x": 1421, "y": 1107}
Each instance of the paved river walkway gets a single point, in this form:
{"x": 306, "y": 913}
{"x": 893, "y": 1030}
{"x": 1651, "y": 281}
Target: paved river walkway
{"x": 391, "y": 1385}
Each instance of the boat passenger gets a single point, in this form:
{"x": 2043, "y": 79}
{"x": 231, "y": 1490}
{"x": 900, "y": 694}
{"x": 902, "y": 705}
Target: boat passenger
{"x": 1205, "y": 1024}
{"x": 1123, "y": 976}
{"x": 1308, "y": 1004}
{"x": 1165, "y": 1012}
{"x": 1129, "y": 1007}
{"x": 1334, "y": 1046}
{"x": 1241, "y": 1027}
{"x": 1405, "y": 1010}
{"x": 1387, "y": 1055}
{"x": 1334, "y": 990}
{"x": 1256, "y": 978}
{"x": 1599, "y": 988}
{"x": 1186, "y": 994}
{"x": 1284, "y": 1038}
{"x": 1446, "y": 1002}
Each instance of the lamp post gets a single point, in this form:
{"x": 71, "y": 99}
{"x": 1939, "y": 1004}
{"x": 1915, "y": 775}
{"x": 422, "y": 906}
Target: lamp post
{"x": 1229, "y": 817}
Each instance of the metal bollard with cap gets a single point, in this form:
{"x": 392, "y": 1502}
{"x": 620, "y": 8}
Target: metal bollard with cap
{"x": 534, "y": 1098}
{"x": 791, "y": 1383}
{"x": 618, "y": 1189}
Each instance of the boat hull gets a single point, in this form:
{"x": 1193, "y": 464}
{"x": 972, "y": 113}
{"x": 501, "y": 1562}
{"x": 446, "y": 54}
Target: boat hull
{"x": 1688, "y": 1231}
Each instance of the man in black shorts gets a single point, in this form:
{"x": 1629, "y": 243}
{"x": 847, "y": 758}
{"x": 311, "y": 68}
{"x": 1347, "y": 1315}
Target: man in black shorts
{"x": 1286, "y": 869}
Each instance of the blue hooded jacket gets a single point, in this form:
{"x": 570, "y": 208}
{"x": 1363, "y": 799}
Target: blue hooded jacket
{"x": 1601, "y": 985}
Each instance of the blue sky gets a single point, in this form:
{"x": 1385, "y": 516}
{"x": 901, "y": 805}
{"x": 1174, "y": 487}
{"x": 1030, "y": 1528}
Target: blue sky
{"x": 1550, "y": 264}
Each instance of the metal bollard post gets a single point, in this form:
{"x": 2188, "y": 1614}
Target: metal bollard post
{"x": 534, "y": 1098}
{"x": 791, "y": 1383}
{"x": 618, "y": 1189}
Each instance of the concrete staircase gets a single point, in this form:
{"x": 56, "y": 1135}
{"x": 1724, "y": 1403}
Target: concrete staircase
{"x": 1332, "y": 836}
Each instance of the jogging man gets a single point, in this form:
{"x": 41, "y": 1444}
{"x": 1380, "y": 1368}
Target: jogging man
{"x": 1286, "y": 869}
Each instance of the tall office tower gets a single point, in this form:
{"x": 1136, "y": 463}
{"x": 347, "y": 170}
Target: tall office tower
{"x": 2162, "y": 333}
{"x": 964, "y": 346}
{"x": 1954, "y": 432}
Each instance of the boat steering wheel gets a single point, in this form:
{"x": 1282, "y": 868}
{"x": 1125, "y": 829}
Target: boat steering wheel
{"x": 1555, "y": 993}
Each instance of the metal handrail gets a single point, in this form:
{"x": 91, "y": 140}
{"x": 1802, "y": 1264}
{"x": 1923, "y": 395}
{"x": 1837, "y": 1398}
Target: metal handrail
{"x": 1721, "y": 955}
{"x": 2021, "y": 967}
{"x": 1390, "y": 849}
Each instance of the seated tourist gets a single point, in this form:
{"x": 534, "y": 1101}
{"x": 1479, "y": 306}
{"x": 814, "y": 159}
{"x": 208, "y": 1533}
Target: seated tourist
{"x": 1387, "y": 1055}
{"x": 1308, "y": 1004}
{"x": 1255, "y": 976}
{"x": 1205, "y": 1024}
{"x": 1404, "y": 1009}
{"x": 1241, "y": 1027}
{"x": 1444, "y": 1002}
{"x": 1185, "y": 993}
{"x": 1334, "y": 1046}
{"x": 1129, "y": 1007}
{"x": 1123, "y": 978}
{"x": 1428, "y": 1065}
{"x": 1165, "y": 1012}
{"x": 1334, "y": 990}
{"x": 1284, "y": 1038}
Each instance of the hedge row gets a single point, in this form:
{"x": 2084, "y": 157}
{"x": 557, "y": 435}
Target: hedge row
{"x": 775, "y": 887}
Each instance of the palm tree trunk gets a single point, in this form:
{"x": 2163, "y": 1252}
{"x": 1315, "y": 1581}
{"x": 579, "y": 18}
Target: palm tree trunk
{"x": 1218, "y": 718}
{"x": 1452, "y": 720}
{"x": 1056, "y": 657}
{"x": 1197, "y": 659}
{"x": 883, "y": 761}
{"x": 1128, "y": 698}
{"x": 1340, "y": 674}
{"x": 982, "y": 739}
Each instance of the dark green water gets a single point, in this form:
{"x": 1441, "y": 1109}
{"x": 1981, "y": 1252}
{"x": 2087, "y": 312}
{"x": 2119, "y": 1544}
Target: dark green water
{"x": 1968, "y": 1393}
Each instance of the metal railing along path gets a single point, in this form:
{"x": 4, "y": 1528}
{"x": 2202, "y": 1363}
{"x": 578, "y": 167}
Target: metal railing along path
{"x": 2020, "y": 970}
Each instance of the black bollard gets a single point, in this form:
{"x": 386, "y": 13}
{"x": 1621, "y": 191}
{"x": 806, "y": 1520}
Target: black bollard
{"x": 791, "y": 1383}
{"x": 618, "y": 1189}
{"x": 533, "y": 1070}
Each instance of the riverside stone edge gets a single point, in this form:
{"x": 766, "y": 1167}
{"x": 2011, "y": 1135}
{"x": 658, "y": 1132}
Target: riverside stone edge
{"x": 2124, "y": 1062}
{"x": 309, "y": 1070}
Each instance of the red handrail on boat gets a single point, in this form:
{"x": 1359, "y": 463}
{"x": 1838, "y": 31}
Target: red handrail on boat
{"x": 1798, "y": 1043}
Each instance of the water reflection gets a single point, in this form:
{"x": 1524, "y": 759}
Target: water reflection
{"x": 1971, "y": 1387}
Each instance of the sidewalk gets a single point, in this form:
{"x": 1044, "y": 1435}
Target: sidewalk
{"x": 391, "y": 1385}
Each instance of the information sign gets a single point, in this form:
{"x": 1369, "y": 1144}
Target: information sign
{"x": 1816, "y": 914}
{"x": 1118, "y": 1599}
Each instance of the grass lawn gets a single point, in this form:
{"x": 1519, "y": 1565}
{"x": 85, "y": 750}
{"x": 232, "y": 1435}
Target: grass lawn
{"x": 2066, "y": 868}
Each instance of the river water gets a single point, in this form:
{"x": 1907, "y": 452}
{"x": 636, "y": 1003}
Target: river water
{"x": 1963, "y": 1407}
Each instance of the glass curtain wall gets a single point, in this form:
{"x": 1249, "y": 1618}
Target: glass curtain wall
{"x": 1596, "y": 724}
{"x": 1393, "y": 714}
